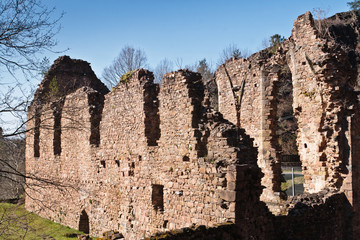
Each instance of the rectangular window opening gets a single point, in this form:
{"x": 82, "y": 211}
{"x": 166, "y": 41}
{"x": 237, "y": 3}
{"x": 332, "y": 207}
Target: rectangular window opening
{"x": 117, "y": 162}
{"x": 157, "y": 197}
{"x": 37, "y": 135}
{"x": 57, "y": 133}
{"x": 103, "y": 164}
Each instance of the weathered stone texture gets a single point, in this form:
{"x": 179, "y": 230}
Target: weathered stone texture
{"x": 247, "y": 97}
{"x": 12, "y": 168}
{"x": 325, "y": 215}
{"x": 143, "y": 159}
{"x": 323, "y": 69}
{"x": 189, "y": 166}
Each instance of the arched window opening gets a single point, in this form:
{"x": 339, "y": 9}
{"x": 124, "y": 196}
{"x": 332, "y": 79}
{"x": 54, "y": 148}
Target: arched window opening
{"x": 84, "y": 222}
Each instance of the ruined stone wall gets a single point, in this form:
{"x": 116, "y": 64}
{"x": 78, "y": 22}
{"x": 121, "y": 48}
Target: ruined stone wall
{"x": 162, "y": 161}
{"x": 247, "y": 97}
{"x": 58, "y": 144}
{"x": 324, "y": 102}
{"x": 324, "y": 215}
{"x": 326, "y": 78}
{"x": 142, "y": 159}
{"x": 323, "y": 71}
{"x": 61, "y": 184}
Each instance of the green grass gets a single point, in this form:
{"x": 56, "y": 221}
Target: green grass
{"x": 17, "y": 223}
{"x": 297, "y": 180}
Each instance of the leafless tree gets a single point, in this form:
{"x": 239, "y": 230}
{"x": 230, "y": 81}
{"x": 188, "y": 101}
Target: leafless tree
{"x": 165, "y": 66}
{"x": 128, "y": 60}
{"x": 179, "y": 63}
{"x": 320, "y": 21}
{"x": 232, "y": 51}
{"x": 27, "y": 29}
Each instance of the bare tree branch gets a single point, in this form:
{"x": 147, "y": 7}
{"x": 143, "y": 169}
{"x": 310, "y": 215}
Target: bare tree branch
{"x": 26, "y": 30}
{"x": 232, "y": 51}
{"x": 128, "y": 60}
{"x": 165, "y": 66}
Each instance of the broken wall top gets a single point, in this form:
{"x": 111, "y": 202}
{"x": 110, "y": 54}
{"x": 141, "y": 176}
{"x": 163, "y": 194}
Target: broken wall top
{"x": 65, "y": 76}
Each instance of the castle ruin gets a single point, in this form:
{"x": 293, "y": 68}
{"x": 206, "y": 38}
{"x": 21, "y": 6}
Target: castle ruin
{"x": 143, "y": 159}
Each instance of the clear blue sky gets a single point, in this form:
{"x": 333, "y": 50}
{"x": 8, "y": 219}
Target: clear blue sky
{"x": 96, "y": 31}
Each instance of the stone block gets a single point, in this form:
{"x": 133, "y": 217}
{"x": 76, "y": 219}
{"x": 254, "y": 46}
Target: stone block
{"x": 228, "y": 195}
{"x": 231, "y": 176}
{"x": 231, "y": 186}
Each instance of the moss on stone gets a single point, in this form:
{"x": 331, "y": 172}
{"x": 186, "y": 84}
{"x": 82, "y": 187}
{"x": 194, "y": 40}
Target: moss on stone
{"x": 126, "y": 77}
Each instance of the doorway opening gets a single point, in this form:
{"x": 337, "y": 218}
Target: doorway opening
{"x": 84, "y": 222}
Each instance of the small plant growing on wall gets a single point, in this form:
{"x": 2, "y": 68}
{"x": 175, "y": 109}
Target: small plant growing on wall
{"x": 126, "y": 77}
{"x": 309, "y": 94}
{"x": 54, "y": 88}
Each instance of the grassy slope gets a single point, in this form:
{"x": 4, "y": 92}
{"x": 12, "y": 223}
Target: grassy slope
{"x": 17, "y": 223}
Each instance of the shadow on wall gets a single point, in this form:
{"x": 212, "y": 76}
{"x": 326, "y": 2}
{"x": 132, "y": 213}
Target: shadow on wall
{"x": 311, "y": 219}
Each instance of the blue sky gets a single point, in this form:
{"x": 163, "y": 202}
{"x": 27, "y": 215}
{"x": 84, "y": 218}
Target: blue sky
{"x": 96, "y": 31}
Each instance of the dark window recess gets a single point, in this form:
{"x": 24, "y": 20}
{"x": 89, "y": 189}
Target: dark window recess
{"x": 84, "y": 222}
{"x": 57, "y": 133}
{"x": 103, "y": 164}
{"x": 157, "y": 197}
{"x": 96, "y": 105}
{"x": 165, "y": 223}
{"x": 186, "y": 158}
{"x": 37, "y": 135}
{"x": 131, "y": 169}
{"x": 117, "y": 162}
{"x": 152, "y": 117}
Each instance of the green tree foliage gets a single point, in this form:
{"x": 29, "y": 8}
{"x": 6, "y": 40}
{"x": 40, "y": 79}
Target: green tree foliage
{"x": 204, "y": 69}
{"x": 275, "y": 41}
{"x": 54, "y": 89}
{"x": 354, "y": 5}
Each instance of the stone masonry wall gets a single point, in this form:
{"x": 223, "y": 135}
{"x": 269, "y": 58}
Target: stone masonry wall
{"x": 247, "y": 97}
{"x": 143, "y": 159}
{"x": 324, "y": 72}
{"x": 194, "y": 173}
{"x": 323, "y": 83}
